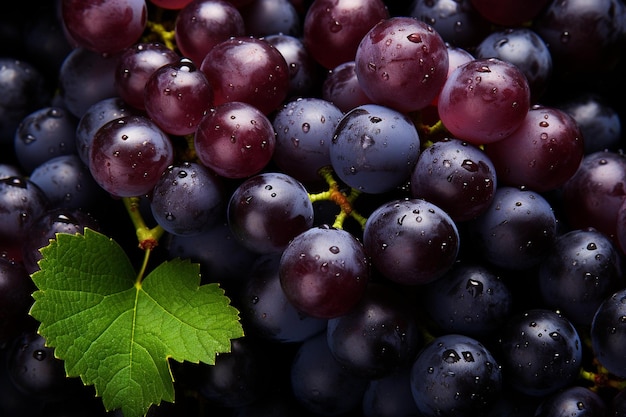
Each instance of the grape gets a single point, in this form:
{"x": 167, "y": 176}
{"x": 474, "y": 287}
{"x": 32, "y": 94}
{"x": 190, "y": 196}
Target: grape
{"x": 320, "y": 384}
{"x": 128, "y": 156}
{"x": 374, "y": 148}
{"x": 540, "y": 352}
{"x": 470, "y": 299}
{"x": 15, "y": 300}
{"x": 324, "y": 272}
{"x": 516, "y": 231}
{"x": 523, "y": 48}
{"x": 484, "y": 100}
{"x": 457, "y": 22}
{"x": 390, "y": 396}
{"x": 171, "y": 4}
{"x": 177, "y": 96}
{"x": 135, "y": 65}
{"x": 271, "y": 17}
{"x": 581, "y": 32}
{"x": 593, "y": 196}
{"x": 510, "y": 13}
{"x": 380, "y": 335}
{"x": 608, "y": 333}
{"x": 24, "y": 90}
{"x": 202, "y": 24}
{"x": 104, "y": 27}
{"x": 187, "y": 199}
{"x": 411, "y": 242}
{"x": 402, "y": 63}
{"x": 235, "y": 139}
{"x": 456, "y": 176}
{"x": 21, "y": 202}
{"x": 302, "y": 68}
{"x": 85, "y": 78}
{"x": 44, "y": 134}
{"x": 66, "y": 182}
{"x": 266, "y": 310}
{"x": 303, "y": 127}
{"x": 249, "y": 70}
{"x": 582, "y": 269}
{"x": 96, "y": 116}
{"x": 599, "y": 123}
{"x": 341, "y": 87}
{"x": 574, "y": 402}
{"x": 45, "y": 228}
{"x": 455, "y": 375}
{"x": 332, "y": 29}
{"x": 542, "y": 154}
{"x": 268, "y": 210}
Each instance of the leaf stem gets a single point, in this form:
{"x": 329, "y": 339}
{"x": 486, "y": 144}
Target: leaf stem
{"x": 144, "y": 266}
{"x": 148, "y": 237}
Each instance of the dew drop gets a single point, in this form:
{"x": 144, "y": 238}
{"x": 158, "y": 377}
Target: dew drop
{"x": 334, "y": 250}
{"x": 469, "y": 165}
{"x": 414, "y": 37}
{"x": 450, "y": 356}
{"x": 335, "y": 26}
{"x": 543, "y": 123}
{"x": 306, "y": 127}
{"x": 592, "y": 246}
{"x": 39, "y": 354}
{"x": 255, "y": 299}
{"x": 565, "y": 37}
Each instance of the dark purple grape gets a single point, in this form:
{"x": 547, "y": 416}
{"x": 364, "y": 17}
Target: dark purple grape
{"x": 24, "y": 90}
{"x": 374, "y": 148}
{"x": 379, "y": 336}
{"x": 85, "y": 78}
{"x": 402, "y": 63}
{"x": 135, "y": 65}
{"x": 324, "y": 272}
{"x": 456, "y": 176}
{"x": 320, "y": 384}
{"x": 21, "y": 202}
{"x": 540, "y": 352}
{"x": 45, "y": 228}
{"x": 517, "y": 230}
{"x": 599, "y": 123}
{"x": 470, "y": 299}
{"x": 593, "y": 196}
{"x": 261, "y": 81}
{"x": 238, "y": 377}
{"x": 187, "y": 199}
{"x": 509, "y": 13}
{"x": 573, "y": 402}
{"x": 484, "y": 100}
{"x": 523, "y": 48}
{"x": 128, "y": 156}
{"x": 302, "y": 69}
{"x": 33, "y": 368}
{"x": 266, "y": 311}
{"x": 583, "y": 37}
{"x": 16, "y": 288}
{"x": 341, "y": 87}
{"x": 202, "y": 24}
{"x": 235, "y": 140}
{"x": 608, "y": 333}
{"x": 96, "y": 116}
{"x": 542, "y": 154}
{"x": 271, "y": 17}
{"x": 457, "y": 21}
{"x": 332, "y": 29}
{"x": 43, "y": 135}
{"x": 104, "y": 27}
{"x": 268, "y": 210}
{"x": 581, "y": 271}
{"x": 617, "y": 406}
{"x": 303, "y": 128}
{"x": 455, "y": 375}
{"x": 177, "y": 96}
{"x": 67, "y": 182}
{"x": 411, "y": 242}
{"x": 390, "y": 396}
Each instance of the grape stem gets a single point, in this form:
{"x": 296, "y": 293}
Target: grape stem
{"x": 334, "y": 194}
{"x": 601, "y": 378}
{"x": 159, "y": 31}
{"x": 148, "y": 237}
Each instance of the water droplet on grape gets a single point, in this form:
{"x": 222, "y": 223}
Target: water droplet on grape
{"x": 371, "y": 66}
{"x": 334, "y": 250}
{"x": 169, "y": 216}
{"x": 414, "y": 37}
{"x": 592, "y": 246}
{"x": 335, "y": 26}
{"x": 367, "y": 141}
{"x": 450, "y": 356}
{"x": 385, "y": 76}
{"x": 39, "y": 355}
{"x": 565, "y": 36}
{"x": 484, "y": 68}
{"x": 306, "y": 127}
{"x": 255, "y": 299}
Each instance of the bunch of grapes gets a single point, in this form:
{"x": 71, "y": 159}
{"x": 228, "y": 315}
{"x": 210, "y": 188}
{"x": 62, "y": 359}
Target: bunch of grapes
{"x": 418, "y": 209}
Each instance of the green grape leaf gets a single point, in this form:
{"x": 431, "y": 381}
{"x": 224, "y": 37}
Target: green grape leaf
{"x": 117, "y": 333}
